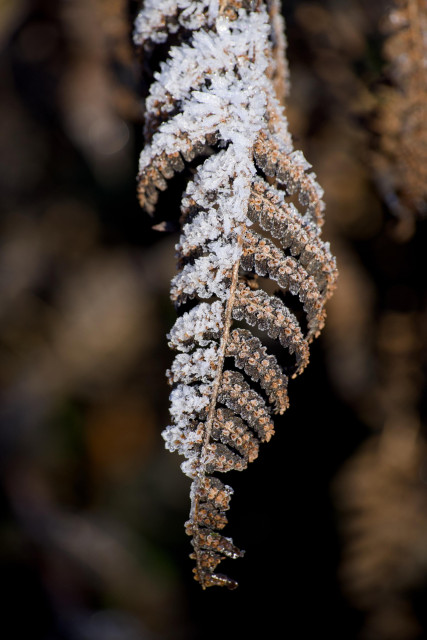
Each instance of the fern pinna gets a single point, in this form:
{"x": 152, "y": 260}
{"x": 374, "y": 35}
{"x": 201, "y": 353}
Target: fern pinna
{"x": 214, "y": 99}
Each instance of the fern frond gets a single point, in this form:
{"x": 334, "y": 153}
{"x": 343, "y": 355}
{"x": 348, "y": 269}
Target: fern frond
{"x": 402, "y": 118}
{"x": 214, "y": 99}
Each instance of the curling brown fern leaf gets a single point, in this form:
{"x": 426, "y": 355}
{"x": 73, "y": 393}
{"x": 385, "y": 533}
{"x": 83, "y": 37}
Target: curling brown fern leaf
{"x": 214, "y": 99}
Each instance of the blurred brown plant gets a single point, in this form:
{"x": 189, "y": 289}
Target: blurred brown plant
{"x": 401, "y": 122}
{"x": 381, "y": 492}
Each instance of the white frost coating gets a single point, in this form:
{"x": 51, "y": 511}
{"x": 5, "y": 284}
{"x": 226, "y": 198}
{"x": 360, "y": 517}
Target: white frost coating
{"x": 200, "y": 365}
{"x": 298, "y": 157}
{"x": 204, "y": 227}
{"x": 214, "y": 228}
{"x": 206, "y": 276}
{"x": 183, "y": 436}
{"x": 233, "y": 104}
{"x": 159, "y": 17}
{"x": 185, "y": 441}
{"x": 188, "y": 401}
{"x": 150, "y": 21}
{"x": 187, "y": 69}
{"x": 194, "y": 325}
{"x": 228, "y": 176}
{"x": 190, "y": 467}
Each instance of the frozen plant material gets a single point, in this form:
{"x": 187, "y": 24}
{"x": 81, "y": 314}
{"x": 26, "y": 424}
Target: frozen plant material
{"x": 214, "y": 100}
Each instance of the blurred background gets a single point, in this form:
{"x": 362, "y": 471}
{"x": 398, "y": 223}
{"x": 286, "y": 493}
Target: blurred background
{"x": 333, "y": 515}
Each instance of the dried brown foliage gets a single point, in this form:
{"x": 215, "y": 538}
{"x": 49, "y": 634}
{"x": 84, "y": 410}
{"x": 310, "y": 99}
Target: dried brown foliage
{"x": 402, "y": 118}
{"x": 381, "y": 491}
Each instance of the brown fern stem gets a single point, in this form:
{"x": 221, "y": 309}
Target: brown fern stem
{"x": 209, "y": 421}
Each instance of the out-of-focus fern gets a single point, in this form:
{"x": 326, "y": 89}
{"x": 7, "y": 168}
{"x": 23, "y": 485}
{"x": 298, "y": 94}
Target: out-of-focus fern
{"x": 214, "y": 99}
{"x": 402, "y": 117}
{"x": 380, "y": 492}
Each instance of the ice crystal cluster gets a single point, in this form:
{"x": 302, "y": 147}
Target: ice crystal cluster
{"x": 251, "y": 207}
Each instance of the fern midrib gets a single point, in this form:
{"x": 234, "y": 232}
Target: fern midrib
{"x": 212, "y": 407}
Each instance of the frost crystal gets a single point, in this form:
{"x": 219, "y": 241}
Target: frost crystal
{"x": 195, "y": 326}
{"x": 160, "y": 17}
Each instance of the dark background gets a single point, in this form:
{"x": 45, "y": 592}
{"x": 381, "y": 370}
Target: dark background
{"x": 92, "y": 507}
